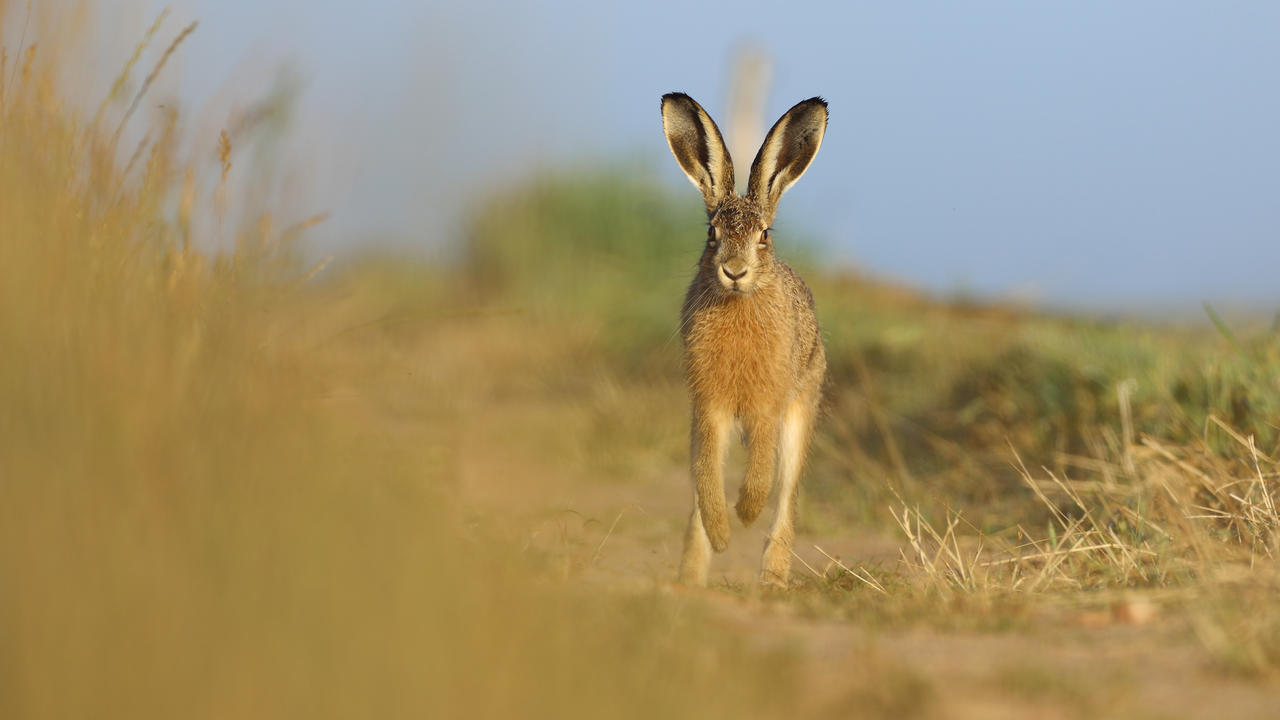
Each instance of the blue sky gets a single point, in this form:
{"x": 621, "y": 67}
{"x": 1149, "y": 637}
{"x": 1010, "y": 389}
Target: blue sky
{"x": 1097, "y": 155}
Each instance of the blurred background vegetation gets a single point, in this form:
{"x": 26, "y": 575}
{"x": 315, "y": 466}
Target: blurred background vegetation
{"x": 929, "y": 391}
{"x": 233, "y": 483}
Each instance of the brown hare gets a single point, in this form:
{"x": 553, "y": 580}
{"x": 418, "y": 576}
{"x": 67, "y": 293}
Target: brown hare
{"x": 753, "y": 352}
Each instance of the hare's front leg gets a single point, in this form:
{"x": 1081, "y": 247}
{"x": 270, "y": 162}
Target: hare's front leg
{"x": 762, "y": 449}
{"x": 793, "y": 443}
{"x": 709, "y": 521}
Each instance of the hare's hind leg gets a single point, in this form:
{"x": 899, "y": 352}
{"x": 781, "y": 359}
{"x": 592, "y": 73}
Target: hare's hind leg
{"x": 709, "y": 522}
{"x": 696, "y": 559}
{"x": 793, "y": 443}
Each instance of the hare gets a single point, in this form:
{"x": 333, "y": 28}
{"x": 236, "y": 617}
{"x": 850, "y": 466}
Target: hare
{"x": 753, "y": 351}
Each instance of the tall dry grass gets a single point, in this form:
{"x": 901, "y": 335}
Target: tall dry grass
{"x": 1190, "y": 531}
{"x": 202, "y": 512}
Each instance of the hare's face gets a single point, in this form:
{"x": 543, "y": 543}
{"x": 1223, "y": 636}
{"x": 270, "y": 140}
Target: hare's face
{"x": 739, "y": 253}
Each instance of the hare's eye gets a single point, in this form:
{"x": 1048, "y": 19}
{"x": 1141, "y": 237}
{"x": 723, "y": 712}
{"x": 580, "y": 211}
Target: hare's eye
{"x": 764, "y": 238}
{"x": 711, "y": 237}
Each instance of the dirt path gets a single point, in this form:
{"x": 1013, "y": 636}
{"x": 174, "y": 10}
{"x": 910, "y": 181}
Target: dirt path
{"x": 521, "y": 458}
{"x": 1062, "y": 664}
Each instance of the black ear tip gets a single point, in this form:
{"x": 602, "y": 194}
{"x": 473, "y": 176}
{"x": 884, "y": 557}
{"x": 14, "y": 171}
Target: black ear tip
{"x": 676, "y": 97}
{"x": 813, "y": 103}
{"x": 816, "y": 102}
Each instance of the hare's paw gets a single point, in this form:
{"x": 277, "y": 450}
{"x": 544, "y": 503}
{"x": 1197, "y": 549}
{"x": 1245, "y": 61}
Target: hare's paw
{"x": 751, "y": 500}
{"x": 717, "y": 527}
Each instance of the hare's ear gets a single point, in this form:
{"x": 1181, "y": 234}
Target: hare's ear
{"x": 787, "y": 151}
{"x": 698, "y": 146}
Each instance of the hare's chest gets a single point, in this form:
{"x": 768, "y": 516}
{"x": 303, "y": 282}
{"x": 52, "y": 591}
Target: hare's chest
{"x": 736, "y": 358}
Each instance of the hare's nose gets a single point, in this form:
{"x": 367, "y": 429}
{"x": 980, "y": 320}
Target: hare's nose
{"x": 729, "y": 273}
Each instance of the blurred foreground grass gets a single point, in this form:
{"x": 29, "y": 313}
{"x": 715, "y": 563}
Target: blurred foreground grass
{"x": 201, "y": 516}
{"x": 230, "y": 486}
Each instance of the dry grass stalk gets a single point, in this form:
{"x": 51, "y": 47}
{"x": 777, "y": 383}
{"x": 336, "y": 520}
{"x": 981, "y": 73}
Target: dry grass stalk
{"x": 938, "y": 554}
{"x": 146, "y": 84}
{"x": 220, "y": 194}
{"x": 817, "y": 575}
{"x": 1168, "y": 517}
{"x": 21, "y": 42}
{"x": 860, "y": 574}
{"x": 118, "y": 86}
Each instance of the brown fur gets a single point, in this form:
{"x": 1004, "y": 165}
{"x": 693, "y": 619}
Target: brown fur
{"x": 753, "y": 351}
